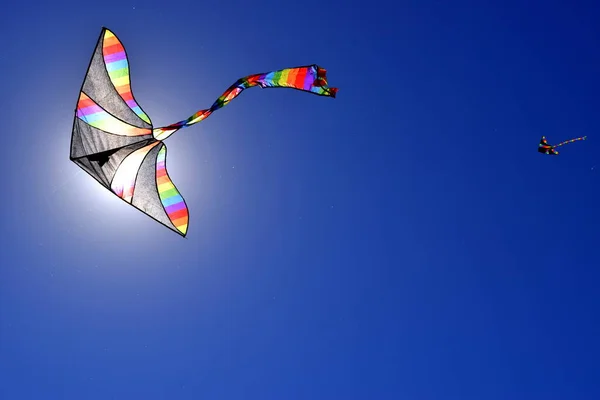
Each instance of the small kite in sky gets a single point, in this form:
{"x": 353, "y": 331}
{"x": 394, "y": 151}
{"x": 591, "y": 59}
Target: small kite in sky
{"x": 545, "y": 148}
{"x": 114, "y": 141}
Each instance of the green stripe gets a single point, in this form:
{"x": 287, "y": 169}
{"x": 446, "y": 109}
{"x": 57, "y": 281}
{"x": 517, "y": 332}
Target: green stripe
{"x": 167, "y": 194}
{"x": 144, "y": 117}
{"x": 119, "y": 73}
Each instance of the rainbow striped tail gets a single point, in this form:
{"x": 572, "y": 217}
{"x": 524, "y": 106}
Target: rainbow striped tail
{"x": 570, "y": 141}
{"x": 311, "y": 78}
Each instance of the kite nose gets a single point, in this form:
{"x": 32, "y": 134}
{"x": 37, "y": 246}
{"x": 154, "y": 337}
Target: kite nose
{"x": 162, "y": 133}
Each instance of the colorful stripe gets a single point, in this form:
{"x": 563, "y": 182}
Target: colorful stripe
{"x": 123, "y": 183}
{"x": 91, "y": 113}
{"x": 118, "y": 71}
{"x": 311, "y": 79}
{"x": 169, "y": 196}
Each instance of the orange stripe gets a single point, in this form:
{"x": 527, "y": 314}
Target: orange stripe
{"x": 126, "y": 87}
{"x": 110, "y": 41}
{"x": 292, "y": 75}
{"x": 180, "y": 221}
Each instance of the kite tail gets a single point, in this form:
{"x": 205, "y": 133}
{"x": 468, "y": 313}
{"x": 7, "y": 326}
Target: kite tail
{"x": 570, "y": 141}
{"x": 310, "y": 78}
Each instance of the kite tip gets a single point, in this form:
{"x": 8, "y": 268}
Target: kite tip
{"x": 333, "y": 91}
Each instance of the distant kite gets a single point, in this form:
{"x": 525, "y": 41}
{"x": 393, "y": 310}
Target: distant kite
{"x": 115, "y": 142}
{"x": 545, "y": 148}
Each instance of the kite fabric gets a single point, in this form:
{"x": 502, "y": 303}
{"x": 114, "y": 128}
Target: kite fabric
{"x": 546, "y": 148}
{"x": 114, "y": 141}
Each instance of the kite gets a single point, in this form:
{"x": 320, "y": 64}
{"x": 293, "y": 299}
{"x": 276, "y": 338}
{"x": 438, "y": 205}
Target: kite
{"x": 545, "y": 148}
{"x": 114, "y": 141}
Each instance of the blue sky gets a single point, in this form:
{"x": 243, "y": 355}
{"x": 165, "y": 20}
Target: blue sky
{"x": 403, "y": 241}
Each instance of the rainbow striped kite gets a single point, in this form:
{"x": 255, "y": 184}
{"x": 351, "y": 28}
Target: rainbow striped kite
{"x": 114, "y": 141}
{"x": 550, "y": 150}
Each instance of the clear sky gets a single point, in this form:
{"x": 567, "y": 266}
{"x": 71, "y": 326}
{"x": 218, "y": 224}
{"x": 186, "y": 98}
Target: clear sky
{"x": 403, "y": 241}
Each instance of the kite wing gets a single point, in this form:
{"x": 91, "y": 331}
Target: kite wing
{"x": 112, "y": 139}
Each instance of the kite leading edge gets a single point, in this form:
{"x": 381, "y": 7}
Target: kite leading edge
{"x": 114, "y": 141}
{"x": 546, "y": 148}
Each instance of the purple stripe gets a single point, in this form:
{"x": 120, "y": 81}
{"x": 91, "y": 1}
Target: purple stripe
{"x": 89, "y": 110}
{"x": 175, "y": 207}
{"x": 308, "y": 80}
{"x": 108, "y": 58}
